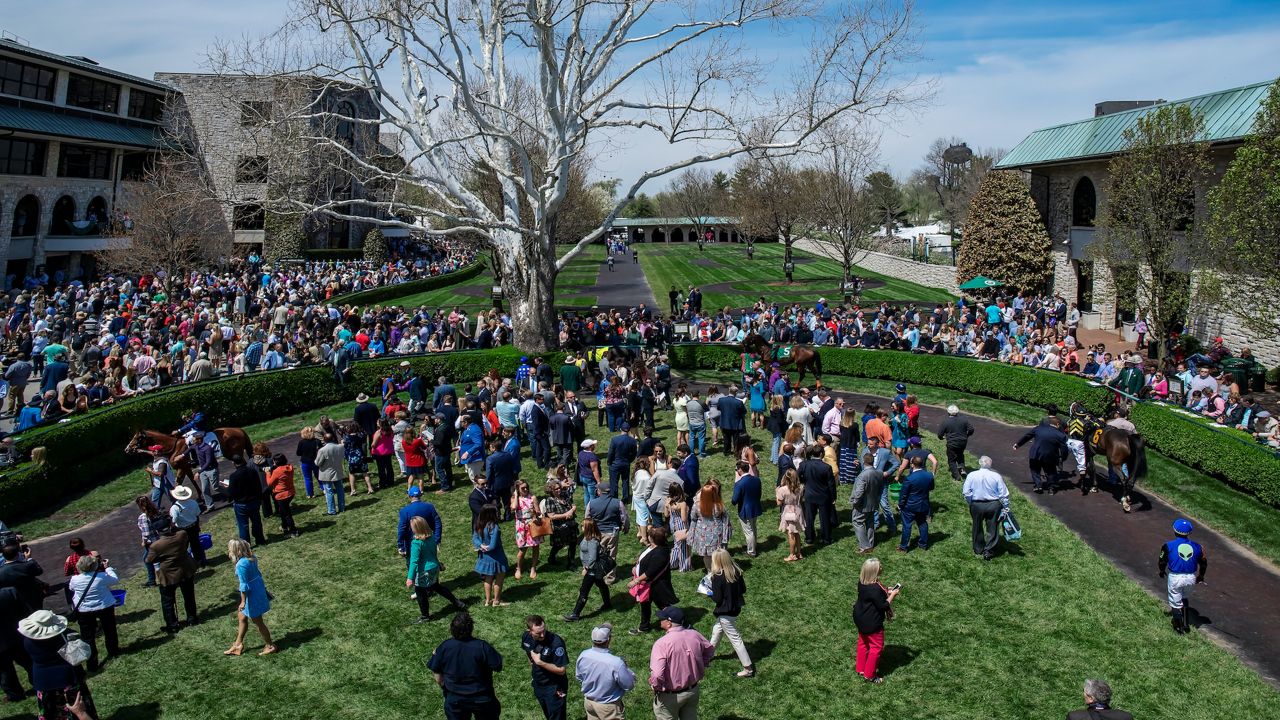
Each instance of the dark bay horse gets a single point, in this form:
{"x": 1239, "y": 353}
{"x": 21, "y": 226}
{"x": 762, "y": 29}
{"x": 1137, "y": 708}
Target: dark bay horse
{"x": 805, "y": 357}
{"x": 233, "y": 441}
{"x": 1126, "y": 455}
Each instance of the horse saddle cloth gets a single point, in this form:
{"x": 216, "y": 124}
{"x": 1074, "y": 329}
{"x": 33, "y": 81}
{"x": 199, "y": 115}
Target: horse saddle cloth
{"x": 782, "y": 352}
{"x": 1095, "y": 440}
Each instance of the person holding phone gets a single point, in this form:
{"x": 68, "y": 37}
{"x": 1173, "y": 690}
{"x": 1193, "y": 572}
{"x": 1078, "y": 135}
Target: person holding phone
{"x": 870, "y": 612}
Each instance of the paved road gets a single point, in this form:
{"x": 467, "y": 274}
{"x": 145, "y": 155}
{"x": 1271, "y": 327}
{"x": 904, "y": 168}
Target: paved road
{"x": 626, "y": 286}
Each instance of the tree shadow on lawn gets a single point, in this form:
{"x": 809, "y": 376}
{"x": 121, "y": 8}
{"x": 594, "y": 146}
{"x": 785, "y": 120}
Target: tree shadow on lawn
{"x": 364, "y": 500}
{"x": 141, "y": 711}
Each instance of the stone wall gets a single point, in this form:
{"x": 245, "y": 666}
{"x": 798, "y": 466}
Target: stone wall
{"x": 936, "y": 276}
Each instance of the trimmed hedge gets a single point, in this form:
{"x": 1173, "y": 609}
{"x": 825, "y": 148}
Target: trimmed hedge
{"x": 380, "y": 295}
{"x": 1224, "y": 454}
{"x": 84, "y": 451}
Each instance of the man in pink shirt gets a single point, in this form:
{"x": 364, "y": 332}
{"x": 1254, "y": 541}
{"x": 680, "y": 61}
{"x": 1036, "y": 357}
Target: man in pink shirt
{"x": 676, "y": 666}
{"x": 831, "y": 421}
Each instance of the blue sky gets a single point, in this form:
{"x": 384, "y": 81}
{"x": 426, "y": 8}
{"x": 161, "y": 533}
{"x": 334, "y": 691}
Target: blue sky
{"x": 1001, "y": 69}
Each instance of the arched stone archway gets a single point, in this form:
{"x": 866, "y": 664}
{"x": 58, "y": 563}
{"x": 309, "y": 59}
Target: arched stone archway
{"x": 1084, "y": 203}
{"x": 26, "y": 216}
{"x": 64, "y": 213}
{"x": 677, "y": 235}
{"x": 97, "y": 210}
{"x": 659, "y": 235}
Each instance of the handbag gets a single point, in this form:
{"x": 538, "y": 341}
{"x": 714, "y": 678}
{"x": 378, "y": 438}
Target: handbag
{"x": 704, "y": 586}
{"x": 1009, "y": 527}
{"x": 790, "y": 514}
{"x": 640, "y": 591}
{"x": 74, "y": 650}
{"x": 539, "y": 527}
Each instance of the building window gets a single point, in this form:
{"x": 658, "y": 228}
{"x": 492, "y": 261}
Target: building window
{"x": 22, "y": 157}
{"x": 26, "y": 80}
{"x": 145, "y": 105}
{"x": 90, "y": 94}
{"x": 64, "y": 213}
{"x": 248, "y": 216}
{"x": 26, "y": 216}
{"x": 136, "y": 165}
{"x": 346, "y": 127}
{"x": 255, "y": 112}
{"x": 251, "y": 169}
{"x": 81, "y": 161}
{"x": 1084, "y": 203}
{"x": 97, "y": 211}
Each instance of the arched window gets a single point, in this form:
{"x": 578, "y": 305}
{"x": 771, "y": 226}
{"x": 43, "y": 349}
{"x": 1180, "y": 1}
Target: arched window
{"x": 26, "y": 216}
{"x": 346, "y": 127}
{"x": 1084, "y": 203}
{"x": 97, "y": 210}
{"x": 677, "y": 235}
{"x": 64, "y": 213}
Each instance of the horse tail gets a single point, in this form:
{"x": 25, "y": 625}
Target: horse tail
{"x": 817, "y": 363}
{"x": 1138, "y": 454}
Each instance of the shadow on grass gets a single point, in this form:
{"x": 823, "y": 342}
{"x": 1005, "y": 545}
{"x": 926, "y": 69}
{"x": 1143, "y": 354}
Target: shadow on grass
{"x": 135, "y": 616}
{"x": 894, "y": 657}
{"x": 141, "y": 711}
{"x": 760, "y": 649}
{"x": 521, "y": 589}
{"x": 297, "y": 638}
{"x": 364, "y": 500}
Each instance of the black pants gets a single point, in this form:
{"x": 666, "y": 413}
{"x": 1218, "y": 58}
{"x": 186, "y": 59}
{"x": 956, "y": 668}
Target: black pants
{"x": 471, "y": 707}
{"x": 955, "y": 461}
{"x": 168, "y": 602}
{"x": 1044, "y": 473}
{"x": 267, "y": 505}
{"x": 9, "y": 682}
{"x": 284, "y": 508}
{"x": 193, "y": 543}
{"x": 89, "y": 622}
{"x": 424, "y": 597}
{"x": 503, "y": 498}
{"x": 552, "y": 702}
{"x": 986, "y": 526}
{"x": 540, "y": 449}
{"x": 386, "y": 475}
{"x": 567, "y": 539}
{"x": 564, "y": 456}
{"x": 584, "y": 590}
{"x": 812, "y": 511}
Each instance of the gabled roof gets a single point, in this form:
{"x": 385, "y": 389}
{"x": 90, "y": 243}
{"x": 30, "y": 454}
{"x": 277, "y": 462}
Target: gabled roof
{"x": 663, "y": 221}
{"x": 1228, "y": 115}
{"x": 74, "y": 127}
{"x": 8, "y": 45}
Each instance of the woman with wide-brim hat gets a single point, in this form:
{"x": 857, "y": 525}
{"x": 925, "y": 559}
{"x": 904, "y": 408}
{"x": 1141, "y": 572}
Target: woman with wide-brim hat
{"x": 57, "y": 683}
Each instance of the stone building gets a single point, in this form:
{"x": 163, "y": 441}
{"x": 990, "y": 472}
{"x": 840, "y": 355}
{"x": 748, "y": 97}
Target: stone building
{"x": 1067, "y": 167}
{"x": 678, "y": 229}
{"x": 72, "y": 135}
{"x": 251, "y": 133}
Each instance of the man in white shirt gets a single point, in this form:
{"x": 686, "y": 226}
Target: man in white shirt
{"x": 987, "y": 495}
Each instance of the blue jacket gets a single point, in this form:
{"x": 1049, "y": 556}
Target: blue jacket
{"x": 471, "y": 445}
{"x": 688, "y": 473}
{"x": 424, "y": 510}
{"x": 746, "y": 495}
{"x": 1048, "y": 444}
{"x": 732, "y": 413}
{"x": 914, "y": 495}
{"x": 501, "y": 469}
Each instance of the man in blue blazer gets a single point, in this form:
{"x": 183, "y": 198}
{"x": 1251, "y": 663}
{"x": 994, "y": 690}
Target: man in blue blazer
{"x": 746, "y": 495}
{"x": 688, "y": 471}
{"x": 417, "y": 507}
{"x": 733, "y": 414}
{"x": 500, "y": 467}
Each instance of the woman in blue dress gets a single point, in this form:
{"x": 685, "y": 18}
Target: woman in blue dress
{"x": 255, "y": 601}
{"x": 491, "y": 560}
{"x": 900, "y": 424}
{"x": 757, "y": 400}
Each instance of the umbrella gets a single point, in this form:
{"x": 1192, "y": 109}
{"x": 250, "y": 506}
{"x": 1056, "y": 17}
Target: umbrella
{"x": 981, "y": 282}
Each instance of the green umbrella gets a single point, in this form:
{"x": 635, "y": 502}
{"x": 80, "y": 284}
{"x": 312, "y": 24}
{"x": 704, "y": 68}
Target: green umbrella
{"x": 980, "y": 283}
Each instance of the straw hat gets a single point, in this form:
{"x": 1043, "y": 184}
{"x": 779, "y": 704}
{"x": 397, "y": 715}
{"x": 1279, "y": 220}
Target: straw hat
{"x": 182, "y": 492}
{"x": 42, "y": 625}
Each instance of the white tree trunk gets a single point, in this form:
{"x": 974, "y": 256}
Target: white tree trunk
{"x": 528, "y": 285}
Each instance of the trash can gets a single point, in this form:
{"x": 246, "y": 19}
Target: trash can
{"x": 119, "y": 595}
{"x": 1258, "y": 378}
{"x": 1239, "y": 369}
{"x": 894, "y": 490}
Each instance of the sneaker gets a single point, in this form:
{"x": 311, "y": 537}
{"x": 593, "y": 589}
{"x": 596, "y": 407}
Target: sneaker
{"x": 571, "y": 618}
{"x": 413, "y": 596}
{"x": 876, "y": 680}
{"x": 637, "y": 631}
{"x": 747, "y": 672}
{"x": 421, "y": 619}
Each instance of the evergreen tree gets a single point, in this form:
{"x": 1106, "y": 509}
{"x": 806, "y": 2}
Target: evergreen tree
{"x": 1004, "y": 237}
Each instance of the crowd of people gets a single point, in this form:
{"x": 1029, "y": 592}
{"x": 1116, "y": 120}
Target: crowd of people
{"x": 72, "y": 345}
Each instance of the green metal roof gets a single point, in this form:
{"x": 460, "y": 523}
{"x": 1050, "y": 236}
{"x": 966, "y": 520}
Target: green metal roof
{"x": 74, "y": 63}
{"x": 43, "y": 122}
{"x": 656, "y": 222}
{"x": 1228, "y": 115}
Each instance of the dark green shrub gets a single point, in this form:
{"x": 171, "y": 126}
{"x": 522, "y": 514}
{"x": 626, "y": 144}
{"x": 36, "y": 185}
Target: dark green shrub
{"x": 87, "y": 450}
{"x": 375, "y": 246}
{"x": 380, "y": 295}
{"x": 283, "y": 239}
{"x": 1222, "y": 453}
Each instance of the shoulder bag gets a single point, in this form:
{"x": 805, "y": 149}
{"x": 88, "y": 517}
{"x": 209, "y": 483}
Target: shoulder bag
{"x": 640, "y": 591}
{"x": 74, "y": 650}
{"x": 539, "y": 526}
{"x": 74, "y": 615}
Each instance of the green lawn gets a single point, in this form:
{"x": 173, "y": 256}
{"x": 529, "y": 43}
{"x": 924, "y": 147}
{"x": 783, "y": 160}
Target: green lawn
{"x": 1012, "y": 638}
{"x": 682, "y": 265}
{"x": 580, "y": 274}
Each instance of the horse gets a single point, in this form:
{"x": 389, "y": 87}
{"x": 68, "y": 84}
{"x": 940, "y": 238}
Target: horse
{"x": 1124, "y": 451}
{"x": 805, "y": 357}
{"x": 233, "y": 441}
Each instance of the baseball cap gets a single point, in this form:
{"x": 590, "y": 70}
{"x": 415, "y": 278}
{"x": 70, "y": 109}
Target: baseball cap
{"x": 901, "y": 387}
{"x": 602, "y": 633}
{"x": 415, "y": 491}
{"x": 587, "y": 443}
{"x": 915, "y": 441}
{"x": 626, "y": 426}
{"x": 672, "y": 613}
{"x": 1182, "y": 526}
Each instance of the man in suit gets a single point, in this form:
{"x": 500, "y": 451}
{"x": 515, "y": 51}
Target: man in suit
{"x": 867, "y": 489}
{"x": 819, "y": 494}
{"x": 1048, "y": 449}
{"x": 1097, "y": 700}
{"x": 500, "y": 469}
{"x": 22, "y": 574}
{"x": 913, "y": 503}
{"x": 623, "y": 450}
{"x": 733, "y": 414}
{"x": 540, "y": 432}
{"x": 688, "y": 471}
{"x": 562, "y": 434}
{"x": 956, "y": 431}
{"x": 746, "y": 495}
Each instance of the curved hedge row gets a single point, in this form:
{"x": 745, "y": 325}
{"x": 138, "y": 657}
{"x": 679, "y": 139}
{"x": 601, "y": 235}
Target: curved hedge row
{"x": 382, "y": 294}
{"x": 1220, "y": 453}
{"x": 82, "y": 452}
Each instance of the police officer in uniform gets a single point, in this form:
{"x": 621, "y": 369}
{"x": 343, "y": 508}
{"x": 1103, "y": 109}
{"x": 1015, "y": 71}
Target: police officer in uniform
{"x": 1048, "y": 448}
{"x": 548, "y": 659}
{"x": 464, "y": 666}
{"x": 1183, "y": 563}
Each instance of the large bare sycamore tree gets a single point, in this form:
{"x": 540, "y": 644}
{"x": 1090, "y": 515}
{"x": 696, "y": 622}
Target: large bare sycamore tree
{"x": 522, "y": 89}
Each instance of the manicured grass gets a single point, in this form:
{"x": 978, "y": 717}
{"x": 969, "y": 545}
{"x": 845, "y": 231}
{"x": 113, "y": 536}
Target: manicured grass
{"x": 682, "y": 265}
{"x": 578, "y": 275}
{"x": 1012, "y": 638}
{"x": 94, "y": 504}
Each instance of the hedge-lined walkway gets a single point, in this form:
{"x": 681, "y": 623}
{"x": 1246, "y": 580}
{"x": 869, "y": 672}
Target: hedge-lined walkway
{"x": 1237, "y": 604}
